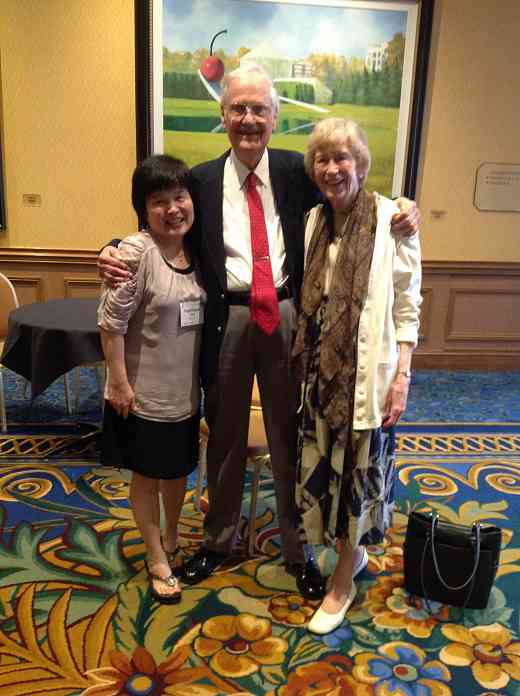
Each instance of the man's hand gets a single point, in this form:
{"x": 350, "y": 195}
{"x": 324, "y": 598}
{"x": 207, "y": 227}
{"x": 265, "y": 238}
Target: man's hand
{"x": 110, "y": 267}
{"x": 407, "y": 222}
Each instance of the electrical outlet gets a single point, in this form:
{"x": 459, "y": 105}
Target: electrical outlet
{"x": 32, "y": 199}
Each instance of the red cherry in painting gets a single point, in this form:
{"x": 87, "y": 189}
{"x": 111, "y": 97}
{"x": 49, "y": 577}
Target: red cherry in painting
{"x": 213, "y": 68}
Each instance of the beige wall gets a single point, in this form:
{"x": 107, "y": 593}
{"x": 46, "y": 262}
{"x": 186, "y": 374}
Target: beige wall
{"x": 472, "y": 117}
{"x": 67, "y": 76}
{"x": 69, "y": 124}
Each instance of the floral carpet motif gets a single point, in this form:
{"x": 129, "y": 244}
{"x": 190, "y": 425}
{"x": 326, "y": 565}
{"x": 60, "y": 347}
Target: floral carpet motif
{"x": 77, "y": 617}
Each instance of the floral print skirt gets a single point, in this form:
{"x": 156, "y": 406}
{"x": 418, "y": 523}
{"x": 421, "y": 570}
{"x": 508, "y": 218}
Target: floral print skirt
{"x": 342, "y": 492}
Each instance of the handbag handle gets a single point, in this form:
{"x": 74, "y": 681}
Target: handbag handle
{"x": 476, "y": 531}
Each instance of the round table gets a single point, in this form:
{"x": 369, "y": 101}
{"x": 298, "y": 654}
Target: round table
{"x": 47, "y": 339}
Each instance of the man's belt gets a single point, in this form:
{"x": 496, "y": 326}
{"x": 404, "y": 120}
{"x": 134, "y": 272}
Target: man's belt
{"x": 244, "y": 298}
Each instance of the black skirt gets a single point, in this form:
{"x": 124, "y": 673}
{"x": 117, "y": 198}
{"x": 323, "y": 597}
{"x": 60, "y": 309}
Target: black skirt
{"x": 156, "y": 449}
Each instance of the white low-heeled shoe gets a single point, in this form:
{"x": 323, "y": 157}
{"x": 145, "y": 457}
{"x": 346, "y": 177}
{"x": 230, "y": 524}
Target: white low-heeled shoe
{"x": 322, "y": 622}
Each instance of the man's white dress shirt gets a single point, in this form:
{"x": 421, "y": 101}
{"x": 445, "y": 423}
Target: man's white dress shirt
{"x": 237, "y": 231}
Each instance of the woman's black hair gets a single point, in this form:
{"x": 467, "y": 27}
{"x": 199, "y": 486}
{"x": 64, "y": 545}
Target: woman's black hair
{"x": 156, "y": 173}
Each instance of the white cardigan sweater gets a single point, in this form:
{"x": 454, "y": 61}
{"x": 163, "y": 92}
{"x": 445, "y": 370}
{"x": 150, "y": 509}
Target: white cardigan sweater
{"x": 390, "y": 314}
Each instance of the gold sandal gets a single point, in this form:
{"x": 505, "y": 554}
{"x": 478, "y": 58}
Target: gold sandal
{"x": 170, "y": 581}
{"x": 175, "y": 560}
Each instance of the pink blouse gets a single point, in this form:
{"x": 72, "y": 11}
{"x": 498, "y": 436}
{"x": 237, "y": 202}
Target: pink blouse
{"x": 162, "y": 357}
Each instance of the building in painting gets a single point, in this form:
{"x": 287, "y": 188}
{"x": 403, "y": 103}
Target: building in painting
{"x": 376, "y": 56}
{"x": 285, "y": 70}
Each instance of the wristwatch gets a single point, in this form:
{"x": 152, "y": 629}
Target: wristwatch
{"x": 406, "y": 373}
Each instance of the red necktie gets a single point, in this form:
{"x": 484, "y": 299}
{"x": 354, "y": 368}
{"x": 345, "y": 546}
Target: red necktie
{"x": 264, "y": 302}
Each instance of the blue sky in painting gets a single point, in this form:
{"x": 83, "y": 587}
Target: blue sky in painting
{"x": 291, "y": 30}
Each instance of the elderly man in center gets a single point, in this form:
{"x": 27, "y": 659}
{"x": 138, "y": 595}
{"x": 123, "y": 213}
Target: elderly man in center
{"x": 250, "y": 204}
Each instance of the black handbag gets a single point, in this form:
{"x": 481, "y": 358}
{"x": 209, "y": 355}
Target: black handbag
{"x": 450, "y": 563}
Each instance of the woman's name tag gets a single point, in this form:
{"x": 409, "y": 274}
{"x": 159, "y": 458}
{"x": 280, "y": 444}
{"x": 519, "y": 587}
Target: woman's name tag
{"x": 191, "y": 313}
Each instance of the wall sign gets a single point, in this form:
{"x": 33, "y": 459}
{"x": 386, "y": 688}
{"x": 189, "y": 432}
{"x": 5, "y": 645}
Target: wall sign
{"x": 497, "y": 187}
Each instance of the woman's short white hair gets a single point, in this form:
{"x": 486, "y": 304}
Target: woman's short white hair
{"x": 249, "y": 73}
{"x": 332, "y": 133}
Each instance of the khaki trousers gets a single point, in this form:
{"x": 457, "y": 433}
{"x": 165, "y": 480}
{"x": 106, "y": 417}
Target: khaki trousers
{"x": 247, "y": 351}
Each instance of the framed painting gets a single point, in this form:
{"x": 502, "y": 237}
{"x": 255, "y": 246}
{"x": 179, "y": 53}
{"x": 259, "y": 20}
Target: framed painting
{"x": 3, "y": 223}
{"x": 365, "y": 60}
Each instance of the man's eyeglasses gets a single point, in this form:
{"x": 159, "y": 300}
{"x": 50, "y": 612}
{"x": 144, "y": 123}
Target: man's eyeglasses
{"x": 259, "y": 111}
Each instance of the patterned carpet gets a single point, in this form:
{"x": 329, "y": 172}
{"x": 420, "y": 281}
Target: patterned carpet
{"x": 76, "y": 616}
{"x": 437, "y": 396}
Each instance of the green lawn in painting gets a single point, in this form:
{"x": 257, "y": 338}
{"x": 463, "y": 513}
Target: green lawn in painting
{"x": 380, "y": 124}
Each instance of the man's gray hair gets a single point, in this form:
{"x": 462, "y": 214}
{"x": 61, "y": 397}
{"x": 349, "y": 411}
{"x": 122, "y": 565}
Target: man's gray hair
{"x": 249, "y": 73}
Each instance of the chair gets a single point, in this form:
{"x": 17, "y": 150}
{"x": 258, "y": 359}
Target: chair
{"x": 257, "y": 456}
{"x": 8, "y": 302}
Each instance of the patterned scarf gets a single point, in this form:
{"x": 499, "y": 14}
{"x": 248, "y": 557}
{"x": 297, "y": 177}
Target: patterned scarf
{"x": 347, "y": 294}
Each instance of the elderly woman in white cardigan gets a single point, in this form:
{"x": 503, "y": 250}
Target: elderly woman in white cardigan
{"x": 357, "y": 329}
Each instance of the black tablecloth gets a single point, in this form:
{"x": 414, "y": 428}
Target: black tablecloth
{"x": 47, "y": 339}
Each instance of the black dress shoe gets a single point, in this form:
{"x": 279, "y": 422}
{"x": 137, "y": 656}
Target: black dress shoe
{"x": 309, "y": 580}
{"x": 201, "y": 565}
